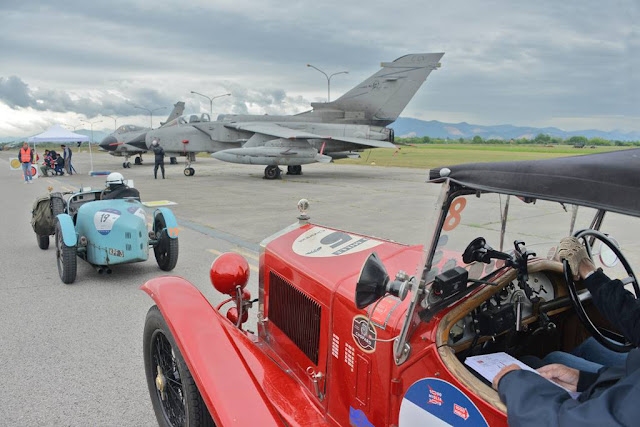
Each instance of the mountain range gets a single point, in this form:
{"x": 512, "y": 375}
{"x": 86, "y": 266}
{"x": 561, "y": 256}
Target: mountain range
{"x": 409, "y": 127}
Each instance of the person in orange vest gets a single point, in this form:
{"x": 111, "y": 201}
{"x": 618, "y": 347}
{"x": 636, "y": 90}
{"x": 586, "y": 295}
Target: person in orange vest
{"x": 26, "y": 158}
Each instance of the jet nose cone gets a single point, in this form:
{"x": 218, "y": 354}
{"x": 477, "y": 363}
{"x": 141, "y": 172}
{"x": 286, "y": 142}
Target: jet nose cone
{"x": 110, "y": 143}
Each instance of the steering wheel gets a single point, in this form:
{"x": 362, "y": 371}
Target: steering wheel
{"x": 612, "y": 340}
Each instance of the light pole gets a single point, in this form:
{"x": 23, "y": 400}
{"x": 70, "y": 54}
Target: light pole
{"x": 328, "y": 79}
{"x": 115, "y": 122}
{"x": 90, "y": 153}
{"x": 150, "y": 113}
{"x": 211, "y": 100}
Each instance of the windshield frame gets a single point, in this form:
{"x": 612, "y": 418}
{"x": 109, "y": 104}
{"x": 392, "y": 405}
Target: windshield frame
{"x": 420, "y": 289}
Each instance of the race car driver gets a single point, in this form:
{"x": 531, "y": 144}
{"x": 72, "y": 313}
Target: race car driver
{"x": 117, "y": 189}
{"x": 608, "y": 397}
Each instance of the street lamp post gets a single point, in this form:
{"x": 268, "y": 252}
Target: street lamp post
{"x": 90, "y": 153}
{"x": 150, "y": 113}
{"x": 211, "y": 100}
{"x": 328, "y": 79}
{"x": 115, "y": 122}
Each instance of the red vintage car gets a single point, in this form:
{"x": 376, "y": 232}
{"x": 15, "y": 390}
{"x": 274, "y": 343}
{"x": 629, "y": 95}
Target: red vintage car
{"x": 354, "y": 330}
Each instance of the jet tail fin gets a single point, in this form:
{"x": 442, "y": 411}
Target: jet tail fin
{"x": 178, "y": 109}
{"x": 381, "y": 98}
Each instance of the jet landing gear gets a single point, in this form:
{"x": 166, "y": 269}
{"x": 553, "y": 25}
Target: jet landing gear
{"x": 272, "y": 172}
{"x": 138, "y": 160}
{"x": 188, "y": 170}
{"x": 294, "y": 170}
{"x": 173, "y": 161}
{"x": 126, "y": 164}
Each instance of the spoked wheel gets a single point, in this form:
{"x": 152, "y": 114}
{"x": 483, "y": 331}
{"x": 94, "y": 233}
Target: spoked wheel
{"x": 174, "y": 394}
{"x": 272, "y": 172}
{"x": 166, "y": 250}
{"x": 66, "y": 258}
{"x": 43, "y": 241}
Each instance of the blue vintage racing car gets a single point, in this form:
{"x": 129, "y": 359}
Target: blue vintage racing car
{"x": 108, "y": 227}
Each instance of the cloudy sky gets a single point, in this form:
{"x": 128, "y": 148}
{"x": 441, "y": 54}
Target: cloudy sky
{"x": 570, "y": 64}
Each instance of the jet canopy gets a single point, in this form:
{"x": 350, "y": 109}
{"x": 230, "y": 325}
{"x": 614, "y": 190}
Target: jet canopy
{"x": 193, "y": 118}
{"x": 129, "y": 128}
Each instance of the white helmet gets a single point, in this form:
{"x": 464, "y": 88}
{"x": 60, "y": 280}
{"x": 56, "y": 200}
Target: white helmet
{"x": 115, "y": 178}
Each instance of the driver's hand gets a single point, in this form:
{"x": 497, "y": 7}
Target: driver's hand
{"x": 571, "y": 249}
{"x": 502, "y": 373}
{"x": 562, "y": 375}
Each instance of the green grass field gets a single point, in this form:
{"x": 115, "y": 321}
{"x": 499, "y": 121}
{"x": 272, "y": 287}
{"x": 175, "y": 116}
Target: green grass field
{"x": 434, "y": 155}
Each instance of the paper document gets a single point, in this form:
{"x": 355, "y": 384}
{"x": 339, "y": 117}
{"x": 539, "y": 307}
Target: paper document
{"x": 488, "y": 365}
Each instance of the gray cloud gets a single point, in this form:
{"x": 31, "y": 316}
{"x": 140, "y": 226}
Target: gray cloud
{"x": 530, "y": 63}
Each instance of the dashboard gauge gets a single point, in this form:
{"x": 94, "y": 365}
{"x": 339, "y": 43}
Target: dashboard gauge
{"x": 457, "y": 331}
{"x": 541, "y": 286}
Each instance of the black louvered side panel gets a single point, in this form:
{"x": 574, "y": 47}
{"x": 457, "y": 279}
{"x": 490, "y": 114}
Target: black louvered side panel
{"x": 295, "y": 314}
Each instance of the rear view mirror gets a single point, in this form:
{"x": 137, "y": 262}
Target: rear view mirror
{"x": 607, "y": 256}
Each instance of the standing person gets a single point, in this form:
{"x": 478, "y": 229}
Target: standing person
{"x": 66, "y": 155}
{"x": 159, "y": 158}
{"x": 26, "y": 158}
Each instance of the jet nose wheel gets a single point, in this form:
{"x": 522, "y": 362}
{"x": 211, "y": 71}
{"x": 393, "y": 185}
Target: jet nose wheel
{"x": 189, "y": 171}
{"x": 272, "y": 172}
{"x": 126, "y": 165}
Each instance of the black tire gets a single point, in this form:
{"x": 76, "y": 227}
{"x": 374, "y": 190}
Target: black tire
{"x": 176, "y": 402}
{"x": 138, "y": 161}
{"x": 66, "y": 258}
{"x": 187, "y": 172}
{"x": 43, "y": 241}
{"x": 57, "y": 204}
{"x": 166, "y": 250}
{"x": 272, "y": 172}
{"x": 173, "y": 161}
{"x": 124, "y": 165}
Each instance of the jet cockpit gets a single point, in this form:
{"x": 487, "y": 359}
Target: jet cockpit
{"x": 129, "y": 128}
{"x": 193, "y": 118}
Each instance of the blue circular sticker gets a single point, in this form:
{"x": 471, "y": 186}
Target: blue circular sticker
{"x": 434, "y": 402}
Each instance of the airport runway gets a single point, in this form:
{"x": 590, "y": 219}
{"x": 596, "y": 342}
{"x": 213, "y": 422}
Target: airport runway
{"x": 72, "y": 354}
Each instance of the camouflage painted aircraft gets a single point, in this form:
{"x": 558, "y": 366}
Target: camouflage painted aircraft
{"x": 331, "y": 130}
{"x": 129, "y": 140}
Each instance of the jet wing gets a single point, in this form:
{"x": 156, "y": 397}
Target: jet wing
{"x": 278, "y": 131}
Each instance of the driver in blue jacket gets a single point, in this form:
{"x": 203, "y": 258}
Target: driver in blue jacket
{"x": 610, "y": 396}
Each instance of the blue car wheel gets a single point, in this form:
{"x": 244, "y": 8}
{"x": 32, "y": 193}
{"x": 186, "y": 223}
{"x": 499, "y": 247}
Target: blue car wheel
{"x": 65, "y": 257}
{"x": 166, "y": 250}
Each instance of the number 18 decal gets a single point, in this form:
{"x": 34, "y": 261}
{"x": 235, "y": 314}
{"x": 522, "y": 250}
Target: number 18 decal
{"x": 453, "y": 218}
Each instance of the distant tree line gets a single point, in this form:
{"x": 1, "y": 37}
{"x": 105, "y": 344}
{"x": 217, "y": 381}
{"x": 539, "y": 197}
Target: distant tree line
{"x": 540, "y": 139}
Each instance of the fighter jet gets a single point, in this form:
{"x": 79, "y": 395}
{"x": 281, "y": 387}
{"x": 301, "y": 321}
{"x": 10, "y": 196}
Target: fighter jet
{"x": 129, "y": 140}
{"x": 331, "y": 130}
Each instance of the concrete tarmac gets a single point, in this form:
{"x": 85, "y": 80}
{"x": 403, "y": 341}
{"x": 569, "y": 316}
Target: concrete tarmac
{"x": 72, "y": 354}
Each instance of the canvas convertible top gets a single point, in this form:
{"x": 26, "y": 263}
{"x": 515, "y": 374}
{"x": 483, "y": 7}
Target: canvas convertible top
{"x": 609, "y": 181}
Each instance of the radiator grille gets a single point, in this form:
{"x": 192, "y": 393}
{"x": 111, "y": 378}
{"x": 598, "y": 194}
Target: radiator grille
{"x": 295, "y": 314}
